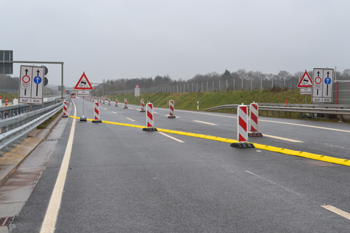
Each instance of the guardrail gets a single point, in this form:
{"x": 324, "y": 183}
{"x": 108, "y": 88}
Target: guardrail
{"x": 329, "y": 109}
{"x": 15, "y": 110}
{"x": 15, "y": 128}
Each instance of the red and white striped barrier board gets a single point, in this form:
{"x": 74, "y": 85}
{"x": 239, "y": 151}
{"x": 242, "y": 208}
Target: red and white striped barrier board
{"x": 242, "y": 128}
{"x": 125, "y": 103}
{"x": 171, "y": 109}
{"x": 149, "y": 118}
{"x": 109, "y": 102}
{"x": 242, "y": 123}
{"x": 65, "y": 109}
{"x": 116, "y": 102}
{"x": 103, "y": 101}
{"x": 254, "y": 120}
{"x": 97, "y": 113}
{"x": 142, "y": 105}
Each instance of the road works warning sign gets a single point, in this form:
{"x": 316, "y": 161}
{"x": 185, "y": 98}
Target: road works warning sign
{"x": 83, "y": 83}
{"x": 305, "y": 81}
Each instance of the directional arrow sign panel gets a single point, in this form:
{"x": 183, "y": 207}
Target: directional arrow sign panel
{"x": 327, "y": 85}
{"x": 317, "y": 77}
{"x": 25, "y": 82}
{"x": 322, "y": 90}
{"x": 37, "y": 85}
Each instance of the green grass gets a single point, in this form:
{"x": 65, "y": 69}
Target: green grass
{"x": 188, "y": 101}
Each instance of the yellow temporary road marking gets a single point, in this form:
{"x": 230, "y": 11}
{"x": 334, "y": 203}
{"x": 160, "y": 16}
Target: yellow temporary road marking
{"x": 303, "y": 154}
{"x": 203, "y": 122}
{"x": 130, "y": 119}
{"x": 337, "y": 211}
{"x": 166, "y": 135}
{"x": 51, "y": 214}
{"x": 280, "y": 138}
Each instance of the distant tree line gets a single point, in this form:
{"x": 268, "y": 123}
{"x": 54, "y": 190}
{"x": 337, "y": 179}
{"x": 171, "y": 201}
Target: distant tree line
{"x": 6, "y": 82}
{"x": 238, "y": 80}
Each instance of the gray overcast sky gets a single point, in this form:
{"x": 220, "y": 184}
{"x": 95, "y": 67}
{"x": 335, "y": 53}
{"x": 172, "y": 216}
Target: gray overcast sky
{"x": 113, "y": 39}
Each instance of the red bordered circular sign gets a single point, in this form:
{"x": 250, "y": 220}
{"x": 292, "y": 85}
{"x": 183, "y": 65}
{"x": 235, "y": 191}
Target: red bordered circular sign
{"x": 25, "y": 79}
{"x": 318, "y": 80}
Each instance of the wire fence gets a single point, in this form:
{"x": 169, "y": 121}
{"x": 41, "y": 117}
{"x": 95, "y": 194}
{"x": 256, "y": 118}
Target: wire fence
{"x": 218, "y": 85}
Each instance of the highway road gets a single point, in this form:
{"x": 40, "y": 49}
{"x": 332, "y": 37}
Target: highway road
{"x": 111, "y": 178}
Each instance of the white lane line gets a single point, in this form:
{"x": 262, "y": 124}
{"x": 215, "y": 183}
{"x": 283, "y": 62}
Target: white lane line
{"x": 310, "y": 126}
{"x": 155, "y": 112}
{"x": 51, "y": 214}
{"x": 337, "y": 211}
{"x": 166, "y": 135}
{"x": 115, "y": 112}
{"x": 203, "y": 122}
{"x": 105, "y": 108}
{"x": 289, "y": 190}
{"x": 130, "y": 108}
{"x": 280, "y": 138}
{"x": 277, "y": 122}
{"x": 130, "y": 119}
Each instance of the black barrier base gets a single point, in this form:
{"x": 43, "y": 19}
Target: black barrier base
{"x": 143, "y": 111}
{"x": 255, "y": 134}
{"x": 242, "y": 145}
{"x": 96, "y": 121}
{"x": 82, "y": 118}
{"x": 171, "y": 116}
{"x": 149, "y": 129}
{"x": 125, "y": 107}
{"x": 64, "y": 116}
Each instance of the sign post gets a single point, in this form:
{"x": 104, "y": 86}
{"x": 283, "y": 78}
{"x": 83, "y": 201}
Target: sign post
{"x": 83, "y": 84}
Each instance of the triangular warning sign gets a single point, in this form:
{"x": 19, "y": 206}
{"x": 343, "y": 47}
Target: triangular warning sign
{"x": 83, "y": 83}
{"x": 305, "y": 81}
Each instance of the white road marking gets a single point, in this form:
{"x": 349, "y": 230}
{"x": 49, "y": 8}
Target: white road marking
{"x": 203, "y": 122}
{"x": 289, "y": 190}
{"x": 155, "y": 112}
{"x": 51, "y": 214}
{"x": 105, "y": 108}
{"x": 115, "y": 112}
{"x": 166, "y": 135}
{"x": 337, "y": 211}
{"x": 280, "y": 138}
{"x": 277, "y": 122}
{"x": 130, "y": 108}
{"x": 130, "y": 119}
{"x": 310, "y": 126}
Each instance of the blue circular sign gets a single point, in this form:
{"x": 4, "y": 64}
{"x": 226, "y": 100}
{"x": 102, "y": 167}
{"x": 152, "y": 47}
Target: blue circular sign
{"x": 37, "y": 79}
{"x": 327, "y": 80}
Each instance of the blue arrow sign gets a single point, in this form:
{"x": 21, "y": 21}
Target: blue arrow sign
{"x": 328, "y": 80}
{"x": 37, "y": 79}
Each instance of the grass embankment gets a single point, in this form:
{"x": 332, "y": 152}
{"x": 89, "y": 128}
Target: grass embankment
{"x": 188, "y": 101}
{"x": 8, "y": 96}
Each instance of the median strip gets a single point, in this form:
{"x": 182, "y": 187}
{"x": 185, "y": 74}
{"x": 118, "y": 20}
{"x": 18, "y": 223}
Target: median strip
{"x": 303, "y": 154}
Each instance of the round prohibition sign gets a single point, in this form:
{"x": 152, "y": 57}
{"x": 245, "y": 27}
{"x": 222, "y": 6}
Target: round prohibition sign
{"x": 25, "y": 79}
{"x": 318, "y": 80}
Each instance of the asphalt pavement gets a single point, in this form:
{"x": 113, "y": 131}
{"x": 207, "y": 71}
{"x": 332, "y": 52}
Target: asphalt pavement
{"x": 123, "y": 179}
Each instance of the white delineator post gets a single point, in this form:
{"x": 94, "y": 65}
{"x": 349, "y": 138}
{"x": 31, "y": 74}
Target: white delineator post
{"x": 171, "y": 109}
{"x": 254, "y": 120}
{"x": 149, "y": 118}
{"x": 242, "y": 123}
{"x": 125, "y": 103}
{"x": 65, "y": 109}
{"x": 97, "y": 113}
{"x": 116, "y": 102}
{"x": 142, "y": 105}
